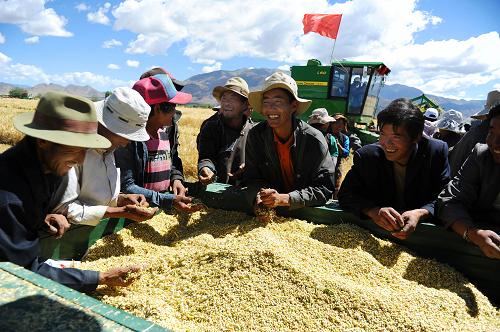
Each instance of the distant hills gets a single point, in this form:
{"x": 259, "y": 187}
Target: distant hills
{"x": 40, "y": 89}
{"x": 200, "y": 86}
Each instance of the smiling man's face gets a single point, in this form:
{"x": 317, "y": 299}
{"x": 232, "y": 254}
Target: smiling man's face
{"x": 396, "y": 143}
{"x": 277, "y": 108}
{"x": 58, "y": 159}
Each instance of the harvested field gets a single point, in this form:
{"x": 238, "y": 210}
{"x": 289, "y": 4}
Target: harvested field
{"x": 221, "y": 270}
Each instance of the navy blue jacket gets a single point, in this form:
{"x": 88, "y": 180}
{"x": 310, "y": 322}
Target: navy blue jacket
{"x": 370, "y": 182}
{"x": 25, "y": 192}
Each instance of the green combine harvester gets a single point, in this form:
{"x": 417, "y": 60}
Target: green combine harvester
{"x": 348, "y": 87}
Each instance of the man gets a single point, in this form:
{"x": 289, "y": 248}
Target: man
{"x": 91, "y": 191}
{"x": 476, "y": 134}
{"x": 152, "y": 168}
{"x": 58, "y": 134}
{"x": 430, "y": 115}
{"x": 396, "y": 181}
{"x": 221, "y": 145}
{"x": 470, "y": 203}
{"x": 287, "y": 161}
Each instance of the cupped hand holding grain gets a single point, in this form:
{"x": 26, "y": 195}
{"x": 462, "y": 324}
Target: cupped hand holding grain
{"x": 119, "y": 276}
{"x": 57, "y": 224}
{"x": 139, "y": 213}
{"x": 132, "y": 199}
{"x": 185, "y": 204}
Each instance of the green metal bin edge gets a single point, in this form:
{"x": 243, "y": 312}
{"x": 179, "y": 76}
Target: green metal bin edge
{"x": 82, "y": 300}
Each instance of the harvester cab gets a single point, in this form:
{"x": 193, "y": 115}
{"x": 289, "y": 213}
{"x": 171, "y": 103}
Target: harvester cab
{"x": 347, "y": 87}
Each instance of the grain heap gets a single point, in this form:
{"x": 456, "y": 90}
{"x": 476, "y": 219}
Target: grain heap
{"x": 221, "y": 270}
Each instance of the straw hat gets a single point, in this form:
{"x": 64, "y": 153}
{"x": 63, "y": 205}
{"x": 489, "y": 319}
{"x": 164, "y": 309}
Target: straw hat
{"x": 278, "y": 80}
{"x": 321, "y": 116}
{"x": 124, "y": 113}
{"x": 492, "y": 98}
{"x": 235, "y": 84}
{"x": 64, "y": 119}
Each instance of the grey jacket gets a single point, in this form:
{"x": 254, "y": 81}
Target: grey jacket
{"x": 470, "y": 195}
{"x": 313, "y": 166}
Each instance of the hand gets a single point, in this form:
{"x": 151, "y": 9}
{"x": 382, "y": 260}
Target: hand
{"x": 178, "y": 188}
{"x": 132, "y": 199}
{"x": 57, "y": 224}
{"x": 271, "y": 198}
{"x": 387, "y": 218}
{"x": 488, "y": 241}
{"x": 183, "y": 203}
{"x": 118, "y": 276}
{"x": 206, "y": 176}
{"x": 236, "y": 175}
{"x": 139, "y": 213}
{"x": 411, "y": 219}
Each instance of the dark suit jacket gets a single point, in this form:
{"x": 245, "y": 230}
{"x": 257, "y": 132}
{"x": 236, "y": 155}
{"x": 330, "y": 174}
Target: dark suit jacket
{"x": 370, "y": 182}
{"x": 470, "y": 195}
{"x": 313, "y": 166}
{"x": 25, "y": 192}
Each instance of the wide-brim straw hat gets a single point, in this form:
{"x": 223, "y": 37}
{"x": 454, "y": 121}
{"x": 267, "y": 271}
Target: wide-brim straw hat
{"x": 63, "y": 119}
{"x": 235, "y": 84}
{"x": 278, "y": 80}
{"x": 492, "y": 98}
{"x": 124, "y": 113}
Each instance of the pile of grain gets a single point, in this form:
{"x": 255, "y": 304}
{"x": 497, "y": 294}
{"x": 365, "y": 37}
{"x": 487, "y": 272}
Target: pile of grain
{"x": 221, "y": 270}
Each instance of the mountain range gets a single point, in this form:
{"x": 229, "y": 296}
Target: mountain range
{"x": 200, "y": 86}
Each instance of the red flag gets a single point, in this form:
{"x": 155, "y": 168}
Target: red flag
{"x": 326, "y": 25}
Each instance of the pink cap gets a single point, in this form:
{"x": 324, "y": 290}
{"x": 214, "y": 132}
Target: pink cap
{"x": 160, "y": 89}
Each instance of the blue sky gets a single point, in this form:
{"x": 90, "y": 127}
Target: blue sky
{"x": 443, "y": 47}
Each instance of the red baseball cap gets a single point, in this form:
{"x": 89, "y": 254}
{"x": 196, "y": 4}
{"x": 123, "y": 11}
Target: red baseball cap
{"x": 158, "y": 70}
{"x": 160, "y": 89}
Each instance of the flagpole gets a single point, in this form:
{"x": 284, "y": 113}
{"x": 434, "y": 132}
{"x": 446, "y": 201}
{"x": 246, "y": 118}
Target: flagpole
{"x": 333, "y": 48}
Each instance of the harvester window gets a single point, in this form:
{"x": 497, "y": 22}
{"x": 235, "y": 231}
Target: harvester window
{"x": 340, "y": 82}
{"x": 359, "y": 84}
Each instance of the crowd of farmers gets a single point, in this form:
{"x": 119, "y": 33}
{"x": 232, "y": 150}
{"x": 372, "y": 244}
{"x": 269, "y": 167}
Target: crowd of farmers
{"x": 81, "y": 162}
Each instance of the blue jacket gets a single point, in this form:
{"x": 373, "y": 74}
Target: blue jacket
{"x": 25, "y": 193}
{"x": 370, "y": 182}
{"x": 132, "y": 163}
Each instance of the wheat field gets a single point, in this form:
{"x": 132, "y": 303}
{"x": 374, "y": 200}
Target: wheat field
{"x": 189, "y": 125}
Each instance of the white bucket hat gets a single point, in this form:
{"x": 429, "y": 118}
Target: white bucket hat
{"x": 124, "y": 113}
{"x": 320, "y": 115}
{"x": 278, "y": 80}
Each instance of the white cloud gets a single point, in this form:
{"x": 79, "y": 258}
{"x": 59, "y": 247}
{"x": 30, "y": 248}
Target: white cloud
{"x": 284, "y": 67}
{"x": 375, "y": 30}
{"x": 496, "y": 86}
{"x": 215, "y": 66}
{"x": 111, "y": 43}
{"x": 2, "y": 38}
{"x": 133, "y": 63}
{"x": 113, "y": 66}
{"x": 34, "y": 18}
{"x": 4, "y": 59}
{"x": 32, "y": 40}
{"x": 82, "y": 7}
{"x": 29, "y": 74}
{"x": 100, "y": 16}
